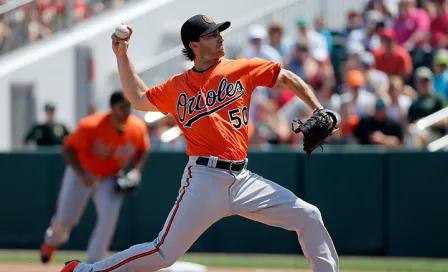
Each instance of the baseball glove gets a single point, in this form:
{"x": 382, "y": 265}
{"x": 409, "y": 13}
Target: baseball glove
{"x": 316, "y": 129}
{"x": 126, "y": 185}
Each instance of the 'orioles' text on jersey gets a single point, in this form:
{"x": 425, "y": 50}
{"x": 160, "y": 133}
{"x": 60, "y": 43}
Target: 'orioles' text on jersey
{"x": 101, "y": 150}
{"x": 212, "y": 107}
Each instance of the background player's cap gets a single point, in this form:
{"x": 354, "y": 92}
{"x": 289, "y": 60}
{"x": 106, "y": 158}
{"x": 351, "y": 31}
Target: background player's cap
{"x": 50, "y": 106}
{"x": 118, "y": 97}
{"x": 198, "y": 26}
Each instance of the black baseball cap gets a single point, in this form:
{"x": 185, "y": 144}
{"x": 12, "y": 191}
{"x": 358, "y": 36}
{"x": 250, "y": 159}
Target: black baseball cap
{"x": 118, "y": 97}
{"x": 198, "y": 26}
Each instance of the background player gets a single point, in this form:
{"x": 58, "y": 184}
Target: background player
{"x": 95, "y": 154}
{"x": 49, "y": 133}
{"x": 210, "y": 103}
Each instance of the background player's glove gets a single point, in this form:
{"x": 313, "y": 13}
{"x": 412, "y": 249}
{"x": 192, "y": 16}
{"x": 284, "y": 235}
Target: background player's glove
{"x": 316, "y": 129}
{"x": 125, "y": 184}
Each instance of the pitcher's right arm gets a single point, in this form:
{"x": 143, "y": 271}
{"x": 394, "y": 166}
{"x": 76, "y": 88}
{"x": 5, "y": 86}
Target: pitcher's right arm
{"x": 133, "y": 86}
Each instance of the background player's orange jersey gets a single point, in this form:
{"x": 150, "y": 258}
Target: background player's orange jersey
{"x": 218, "y": 98}
{"x": 101, "y": 150}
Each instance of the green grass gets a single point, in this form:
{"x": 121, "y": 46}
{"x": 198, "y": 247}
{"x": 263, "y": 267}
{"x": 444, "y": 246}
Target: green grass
{"x": 264, "y": 261}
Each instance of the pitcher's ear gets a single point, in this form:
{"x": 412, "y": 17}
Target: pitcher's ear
{"x": 194, "y": 45}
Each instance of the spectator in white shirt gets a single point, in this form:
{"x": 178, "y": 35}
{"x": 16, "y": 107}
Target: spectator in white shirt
{"x": 258, "y": 46}
{"x": 317, "y": 43}
{"x": 359, "y": 101}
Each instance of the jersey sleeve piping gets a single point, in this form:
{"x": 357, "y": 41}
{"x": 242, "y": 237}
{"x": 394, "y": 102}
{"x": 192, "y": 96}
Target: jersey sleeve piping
{"x": 277, "y": 73}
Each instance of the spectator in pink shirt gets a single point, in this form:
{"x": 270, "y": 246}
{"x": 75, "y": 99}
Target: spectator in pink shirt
{"x": 439, "y": 26}
{"x": 411, "y": 25}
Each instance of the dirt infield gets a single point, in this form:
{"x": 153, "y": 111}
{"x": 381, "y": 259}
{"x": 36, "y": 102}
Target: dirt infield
{"x": 38, "y": 267}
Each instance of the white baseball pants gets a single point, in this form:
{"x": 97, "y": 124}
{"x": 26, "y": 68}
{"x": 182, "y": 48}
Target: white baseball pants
{"x": 209, "y": 194}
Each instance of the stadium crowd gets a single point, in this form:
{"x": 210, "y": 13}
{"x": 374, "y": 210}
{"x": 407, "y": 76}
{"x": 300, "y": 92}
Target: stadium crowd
{"x": 38, "y": 19}
{"x": 384, "y": 71}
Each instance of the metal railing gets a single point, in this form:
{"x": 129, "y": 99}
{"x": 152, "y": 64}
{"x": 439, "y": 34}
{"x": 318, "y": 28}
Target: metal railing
{"x": 432, "y": 119}
{"x": 429, "y": 121}
{"x": 439, "y": 144}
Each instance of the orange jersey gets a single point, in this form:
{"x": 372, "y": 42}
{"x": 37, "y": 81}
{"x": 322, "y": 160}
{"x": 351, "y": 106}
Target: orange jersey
{"x": 101, "y": 150}
{"x": 212, "y": 107}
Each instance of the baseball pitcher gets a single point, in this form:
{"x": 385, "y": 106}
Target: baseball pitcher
{"x": 210, "y": 103}
{"x": 96, "y": 154}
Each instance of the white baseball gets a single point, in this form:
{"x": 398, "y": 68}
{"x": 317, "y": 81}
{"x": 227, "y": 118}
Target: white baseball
{"x": 122, "y": 31}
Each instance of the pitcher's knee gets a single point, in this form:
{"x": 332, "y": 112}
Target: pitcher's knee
{"x": 169, "y": 258}
{"x": 312, "y": 215}
{"x": 168, "y": 255}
